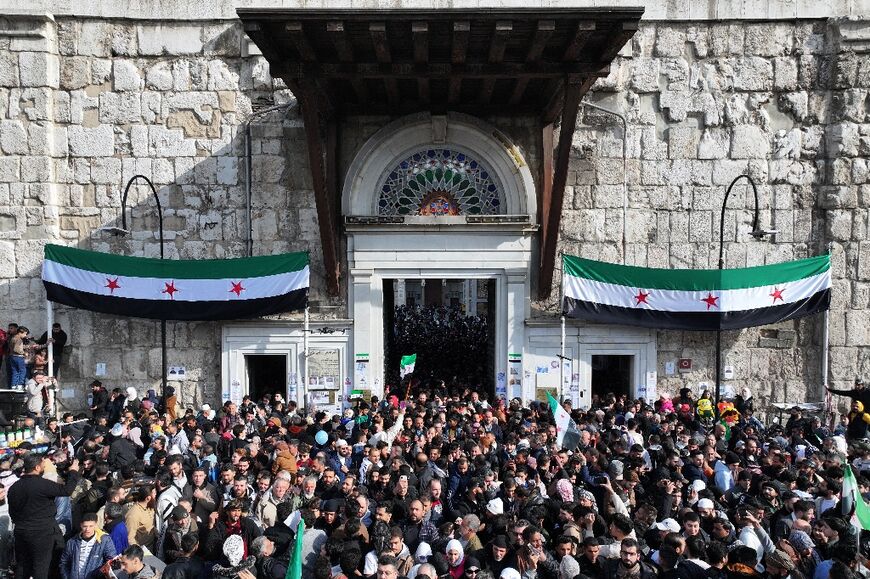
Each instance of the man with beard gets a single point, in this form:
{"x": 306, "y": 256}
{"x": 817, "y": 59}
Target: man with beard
{"x": 169, "y": 545}
{"x": 328, "y": 521}
{"x": 342, "y": 460}
{"x": 328, "y": 486}
{"x": 232, "y": 523}
{"x": 497, "y": 556}
{"x": 629, "y": 564}
{"x": 472, "y": 503}
{"x": 205, "y": 496}
{"x": 416, "y": 529}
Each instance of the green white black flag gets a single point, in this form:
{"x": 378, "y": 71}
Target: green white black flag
{"x": 695, "y": 299}
{"x": 567, "y": 433}
{"x": 406, "y": 366}
{"x": 169, "y": 289}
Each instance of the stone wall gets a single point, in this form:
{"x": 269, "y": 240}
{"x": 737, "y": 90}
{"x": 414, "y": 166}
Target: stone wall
{"x": 88, "y": 102}
{"x": 784, "y": 102}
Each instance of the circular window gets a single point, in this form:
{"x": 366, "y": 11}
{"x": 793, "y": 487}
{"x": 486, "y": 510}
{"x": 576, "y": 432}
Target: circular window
{"x": 438, "y": 182}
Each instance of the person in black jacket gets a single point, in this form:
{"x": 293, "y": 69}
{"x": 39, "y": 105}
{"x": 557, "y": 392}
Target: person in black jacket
{"x": 189, "y": 565}
{"x": 232, "y": 523}
{"x": 100, "y": 398}
{"x": 32, "y": 509}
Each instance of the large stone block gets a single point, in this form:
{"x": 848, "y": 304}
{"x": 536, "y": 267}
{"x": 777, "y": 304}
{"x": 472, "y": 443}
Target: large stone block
{"x": 95, "y": 38}
{"x": 683, "y": 142}
{"x": 126, "y": 76}
{"x": 749, "y": 142}
{"x": 159, "y": 76}
{"x": 169, "y": 143}
{"x": 38, "y": 69}
{"x": 7, "y": 259}
{"x": 13, "y": 138}
{"x": 170, "y": 39}
{"x": 752, "y": 73}
{"x": 645, "y": 75}
{"x": 96, "y": 142}
{"x": 120, "y": 108}
{"x": 670, "y": 41}
{"x": 785, "y": 73}
{"x": 714, "y": 144}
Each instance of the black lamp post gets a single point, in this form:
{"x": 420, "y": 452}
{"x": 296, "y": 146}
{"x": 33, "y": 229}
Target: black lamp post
{"x": 124, "y": 231}
{"x": 757, "y": 234}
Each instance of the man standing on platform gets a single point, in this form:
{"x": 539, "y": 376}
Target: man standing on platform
{"x": 32, "y": 509}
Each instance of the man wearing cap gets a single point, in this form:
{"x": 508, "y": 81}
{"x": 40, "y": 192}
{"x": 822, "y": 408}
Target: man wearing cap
{"x": 169, "y": 545}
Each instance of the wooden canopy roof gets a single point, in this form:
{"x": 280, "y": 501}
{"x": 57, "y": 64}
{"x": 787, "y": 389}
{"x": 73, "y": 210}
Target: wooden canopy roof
{"x": 478, "y": 61}
{"x": 534, "y": 63}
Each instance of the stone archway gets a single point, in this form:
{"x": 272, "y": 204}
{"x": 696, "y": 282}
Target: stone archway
{"x": 419, "y": 246}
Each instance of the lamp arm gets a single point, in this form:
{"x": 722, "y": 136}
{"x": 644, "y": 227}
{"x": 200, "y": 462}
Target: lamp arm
{"x": 722, "y": 214}
{"x": 133, "y": 179}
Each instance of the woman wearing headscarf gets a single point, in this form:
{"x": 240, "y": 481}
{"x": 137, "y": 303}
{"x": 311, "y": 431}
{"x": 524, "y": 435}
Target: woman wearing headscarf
{"x": 455, "y": 558}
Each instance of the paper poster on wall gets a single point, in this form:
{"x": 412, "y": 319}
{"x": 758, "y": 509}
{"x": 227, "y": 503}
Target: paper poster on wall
{"x": 670, "y": 368}
{"x": 651, "y": 387}
{"x": 360, "y": 371}
{"x": 541, "y": 394}
{"x": 292, "y": 387}
{"x": 501, "y": 386}
{"x": 236, "y": 391}
{"x": 515, "y": 371}
{"x": 325, "y": 365}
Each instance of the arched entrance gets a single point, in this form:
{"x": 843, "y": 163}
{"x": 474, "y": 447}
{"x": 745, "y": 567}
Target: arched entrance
{"x": 439, "y": 215}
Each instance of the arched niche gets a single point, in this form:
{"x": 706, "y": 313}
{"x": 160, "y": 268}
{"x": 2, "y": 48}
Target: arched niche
{"x": 407, "y": 135}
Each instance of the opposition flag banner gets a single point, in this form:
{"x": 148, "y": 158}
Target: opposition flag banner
{"x": 567, "y": 433}
{"x": 852, "y": 502}
{"x": 695, "y": 299}
{"x": 294, "y": 570}
{"x": 209, "y": 289}
{"x": 406, "y": 365}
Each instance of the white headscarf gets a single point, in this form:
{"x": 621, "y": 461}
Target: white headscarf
{"x": 454, "y": 545}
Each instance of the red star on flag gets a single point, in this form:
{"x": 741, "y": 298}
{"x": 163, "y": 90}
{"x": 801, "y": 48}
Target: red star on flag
{"x": 237, "y": 288}
{"x": 711, "y": 300}
{"x": 170, "y": 289}
{"x": 777, "y": 294}
{"x": 112, "y": 285}
{"x": 641, "y": 297}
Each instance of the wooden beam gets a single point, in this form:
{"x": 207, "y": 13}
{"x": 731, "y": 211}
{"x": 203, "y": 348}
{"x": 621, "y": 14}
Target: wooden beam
{"x": 300, "y": 41}
{"x": 420, "y": 34}
{"x": 543, "y": 32}
{"x": 582, "y": 33}
{"x": 554, "y": 99}
{"x": 443, "y": 70}
{"x": 344, "y": 50}
{"x": 458, "y": 53}
{"x": 624, "y": 32}
{"x": 325, "y": 215}
{"x": 574, "y": 91}
{"x": 497, "y": 46}
{"x": 378, "y": 33}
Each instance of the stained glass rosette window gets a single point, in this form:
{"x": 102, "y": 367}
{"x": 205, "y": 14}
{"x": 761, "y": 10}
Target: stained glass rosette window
{"x": 440, "y": 182}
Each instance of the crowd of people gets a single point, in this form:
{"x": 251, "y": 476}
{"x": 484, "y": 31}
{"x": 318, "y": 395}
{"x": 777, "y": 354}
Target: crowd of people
{"x": 434, "y": 482}
{"x": 447, "y": 340}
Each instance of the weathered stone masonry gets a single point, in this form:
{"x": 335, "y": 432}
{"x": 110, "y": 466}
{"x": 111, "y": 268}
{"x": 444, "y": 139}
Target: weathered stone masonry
{"x": 86, "y": 103}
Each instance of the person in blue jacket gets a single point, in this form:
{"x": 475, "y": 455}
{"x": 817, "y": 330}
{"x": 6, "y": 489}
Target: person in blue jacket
{"x": 87, "y": 552}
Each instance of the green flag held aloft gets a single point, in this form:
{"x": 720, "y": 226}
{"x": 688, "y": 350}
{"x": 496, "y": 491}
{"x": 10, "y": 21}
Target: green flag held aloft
{"x": 294, "y": 571}
{"x": 853, "y": 503}
{"x": 406, "y": 366}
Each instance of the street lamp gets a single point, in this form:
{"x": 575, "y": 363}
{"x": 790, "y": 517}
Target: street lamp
{"x": 123, "y": 231}
{"x": 757, "y": 234}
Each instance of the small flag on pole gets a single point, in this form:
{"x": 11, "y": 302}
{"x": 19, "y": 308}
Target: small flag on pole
{"x": 853, "y": 503}
{"x": 567, "y": 433}
{"x": 406, "y": 366}
{"x": 294, "y": 570}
